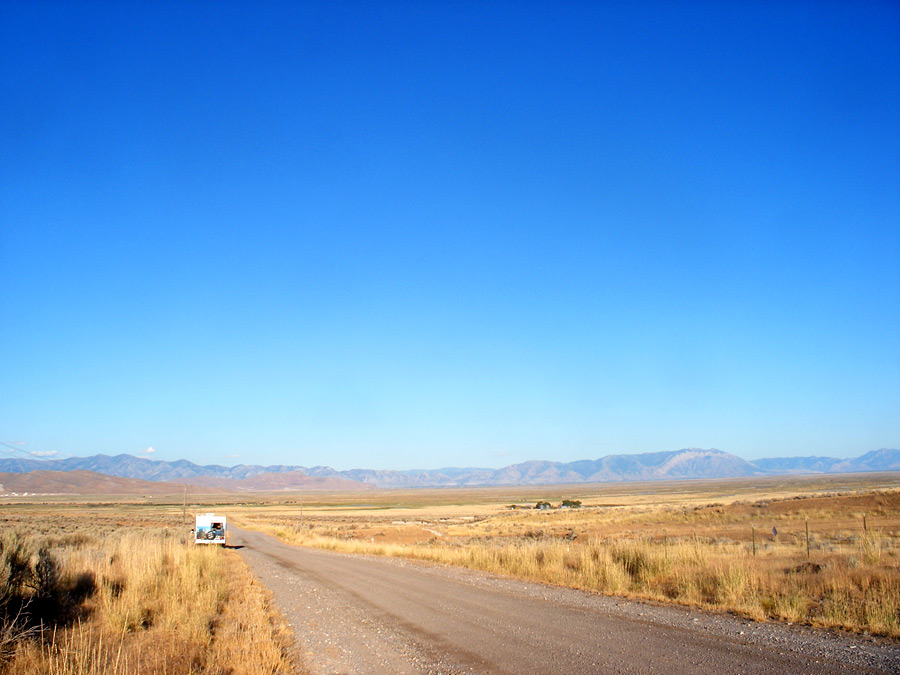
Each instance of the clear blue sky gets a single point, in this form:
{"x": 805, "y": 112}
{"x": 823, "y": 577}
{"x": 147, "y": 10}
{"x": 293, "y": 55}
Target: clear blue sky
{"x": 413, "y": 235}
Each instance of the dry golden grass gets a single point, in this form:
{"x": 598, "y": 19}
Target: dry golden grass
{"x": 682, "y": 549}
{"x": 157, "y": 604}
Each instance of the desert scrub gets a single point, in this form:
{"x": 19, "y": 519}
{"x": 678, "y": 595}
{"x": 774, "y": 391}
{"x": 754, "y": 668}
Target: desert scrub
{"x": 34, "y": 591}
{"x": 156, "y": 604}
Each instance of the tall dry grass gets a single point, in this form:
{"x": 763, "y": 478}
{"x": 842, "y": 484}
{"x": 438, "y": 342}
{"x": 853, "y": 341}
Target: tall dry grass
{"x": 155, "y": 604}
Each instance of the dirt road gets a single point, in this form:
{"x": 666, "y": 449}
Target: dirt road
{"x": 362, "y": 614}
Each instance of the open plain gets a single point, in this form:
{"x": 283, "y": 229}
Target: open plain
{"x": 817, "y": 550}
{"x": 746, "y": 575}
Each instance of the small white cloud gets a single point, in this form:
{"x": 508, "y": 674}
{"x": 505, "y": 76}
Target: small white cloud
{"x": 233, "y": 455}
{"x": 43, "y": 453}
{"x": 149, "y": 451}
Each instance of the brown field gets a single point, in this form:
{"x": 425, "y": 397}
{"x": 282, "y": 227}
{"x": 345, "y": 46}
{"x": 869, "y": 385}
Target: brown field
{"x": 133, "y": 597}
{"x": 94, "y": 589}
{"x": 730, "y": 545}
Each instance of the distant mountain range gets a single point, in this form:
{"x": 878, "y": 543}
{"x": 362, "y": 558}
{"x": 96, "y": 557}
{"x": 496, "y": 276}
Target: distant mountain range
{"x": 877, "y": 460}
{"x": 679, "y": 464}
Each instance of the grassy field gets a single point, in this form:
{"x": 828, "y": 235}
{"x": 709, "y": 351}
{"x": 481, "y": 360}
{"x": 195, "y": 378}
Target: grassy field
{"x": 111, "y": 586}
{"x": 738, "y": 545}
{"x": 94, "y": 589}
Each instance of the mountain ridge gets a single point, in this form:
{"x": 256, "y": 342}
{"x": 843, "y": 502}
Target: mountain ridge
{"x": 681, "y": 464}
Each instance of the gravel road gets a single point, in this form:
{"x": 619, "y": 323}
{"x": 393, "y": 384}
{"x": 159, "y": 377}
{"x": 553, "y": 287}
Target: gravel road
{"x": 364, "y": 614}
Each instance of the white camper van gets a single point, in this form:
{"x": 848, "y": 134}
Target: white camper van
{"x": 209, "y": 529}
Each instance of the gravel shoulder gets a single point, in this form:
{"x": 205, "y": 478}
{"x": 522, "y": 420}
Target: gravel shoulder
{"x": 364, "y": 614}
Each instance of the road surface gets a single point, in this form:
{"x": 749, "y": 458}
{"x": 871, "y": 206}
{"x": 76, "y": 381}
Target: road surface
{"x": 364, "y": 614}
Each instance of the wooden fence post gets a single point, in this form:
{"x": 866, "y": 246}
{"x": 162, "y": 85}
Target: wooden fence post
{"x": 807, "y": 538}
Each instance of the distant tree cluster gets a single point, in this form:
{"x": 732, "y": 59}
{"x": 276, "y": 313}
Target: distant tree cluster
{"x": 566, "y": 504}
{"x": 544, "y": 505}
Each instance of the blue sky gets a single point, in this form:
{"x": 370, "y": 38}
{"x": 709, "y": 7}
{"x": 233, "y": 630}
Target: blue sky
{"x": 413, "y": 235}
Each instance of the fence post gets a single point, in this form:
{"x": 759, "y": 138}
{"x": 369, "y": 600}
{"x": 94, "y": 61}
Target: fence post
{"x": 753, "y": 537}
{"x": 807, "y": 538}
{"x": 666, "y": 543}
{"x": 865, "y": 526}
